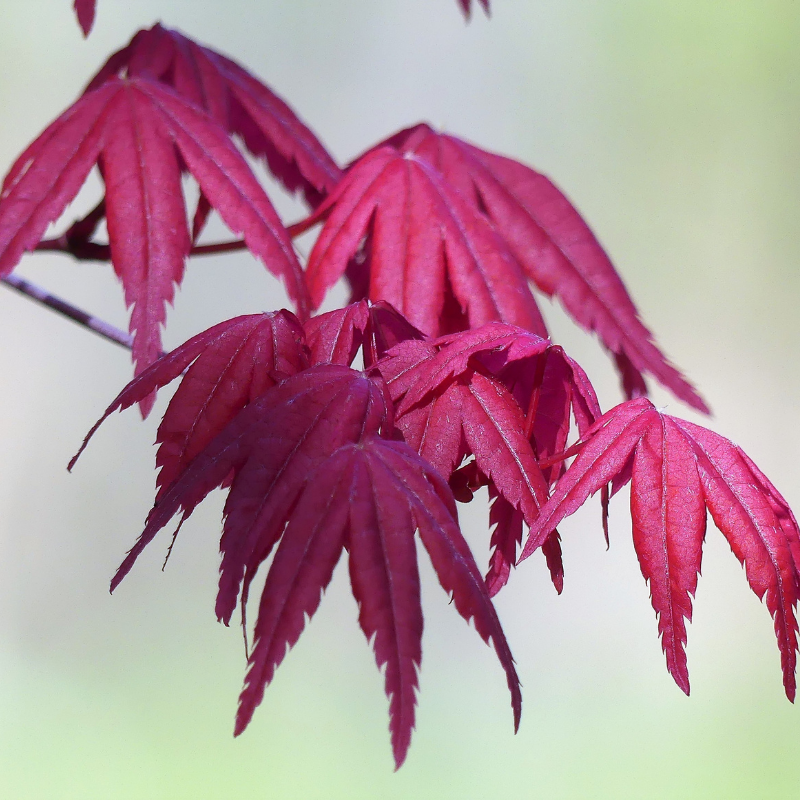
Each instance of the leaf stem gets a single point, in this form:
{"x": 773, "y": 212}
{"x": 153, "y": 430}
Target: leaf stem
{"x": 98, "y": 326}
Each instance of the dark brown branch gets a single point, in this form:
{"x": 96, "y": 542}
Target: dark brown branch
{"x": 82, "y": 230}
{"x": 91, "y": 251}
{"x": 94, "y": 324}
{"x": 217, "y": 247}
{"x": 81, "y": 251}
{"x": 75, "y": 242}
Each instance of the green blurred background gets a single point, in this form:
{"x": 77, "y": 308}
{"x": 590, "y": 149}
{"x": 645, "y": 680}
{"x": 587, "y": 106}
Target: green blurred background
{"x": 674, "y": 128}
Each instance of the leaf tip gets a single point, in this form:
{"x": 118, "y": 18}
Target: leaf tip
{"x": 85, "y": 12}
{"x": 400, "y": 758}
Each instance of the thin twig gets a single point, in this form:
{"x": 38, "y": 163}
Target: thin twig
{"x": 94, "y": 324}
{"x": 80, "y": 251}
{"x": 75, "y": 242}
{"x": 217, "y": 247}
{"x": 91, "y": 251}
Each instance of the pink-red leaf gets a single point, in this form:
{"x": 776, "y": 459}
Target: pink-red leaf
{"x": 312, "y": 474}
{"x": 136, "y": 128}
{"x": 678, "y": 470}
{"x": 226, "y": 368}
{"x": 84, "y": 11}
{"x": 452, "y": 403}
{"x": 558, "y": 251}
{"x": 239, "y": 102}
{"x": 669, "y": 523}
{"x": 427, "y": 246}
{"x": 370, "y": 496}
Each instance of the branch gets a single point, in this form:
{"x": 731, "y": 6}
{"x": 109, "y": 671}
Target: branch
{"x": 91, "y": 251}
{"x": 75, "y": 242}
{"x": 217, "y": 247}
{"x": 99, "y": 327}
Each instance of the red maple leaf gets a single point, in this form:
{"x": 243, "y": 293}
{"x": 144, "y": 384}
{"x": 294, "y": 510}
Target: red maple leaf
{"x": 678, "y": 470}
{"x": 465, "y": 395}
{"x": 313, "y": 474}
{"x": 136, "y": 129}
{"x": 85, "y": 10}
{"x": 556, "y": 248}
{"x": 433, "y": 256}
{"x": 237, "y": 100}
{"x": 224, "y": 369}
{"x": 370, "y": 498}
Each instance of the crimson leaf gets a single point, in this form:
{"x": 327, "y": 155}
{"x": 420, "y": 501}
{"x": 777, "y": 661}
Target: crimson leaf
{"x": 312, "y": 475}
{"x": 464, "y": 394}
{"x": 370, "y": 497}
{"x": 428, "y": 248}
{"x": 226, "y": 368}
{"x": 85, "y": 11}
{"x": 237, "y": 100}
{"x": 678, "y": 471}
{"x": 136, "y": 128}
{"x": 558, "y": 251}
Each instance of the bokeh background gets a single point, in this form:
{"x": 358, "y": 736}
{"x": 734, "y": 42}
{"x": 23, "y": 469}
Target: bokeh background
{"x": 674, "y": 128}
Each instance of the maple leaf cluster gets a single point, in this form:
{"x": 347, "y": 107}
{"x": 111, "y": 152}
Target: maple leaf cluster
{"x": 354, "y": 430}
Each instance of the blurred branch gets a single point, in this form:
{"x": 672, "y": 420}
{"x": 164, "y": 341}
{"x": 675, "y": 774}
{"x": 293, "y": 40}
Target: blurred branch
{"x": 98, "y": 326}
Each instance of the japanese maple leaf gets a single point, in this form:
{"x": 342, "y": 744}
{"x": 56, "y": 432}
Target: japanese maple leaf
{"x": 452, "y": 402}
{"x": 429, "y": 249}
{"x": 556, "y": 248}
{"x": 85, "y": 10}
{"x": 677, "y": 471}
{"x": 530, "y": 372}
{"x": 224, "y": 369}
{"x": 312, "y": 475}
{"x": 136, "y": 130}
{"x": 237, "y": 100}
{"x": 370, "y": 498}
